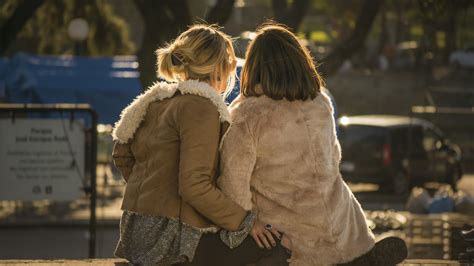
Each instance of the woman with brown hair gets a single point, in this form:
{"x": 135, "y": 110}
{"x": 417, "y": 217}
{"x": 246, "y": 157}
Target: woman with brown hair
{"x": 281, "y": 157}
{"x": 166, "y": 147}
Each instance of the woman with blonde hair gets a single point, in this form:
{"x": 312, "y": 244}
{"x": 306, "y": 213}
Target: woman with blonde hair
{"x": 166, "y": 147}
{"x": 281, "y": 157}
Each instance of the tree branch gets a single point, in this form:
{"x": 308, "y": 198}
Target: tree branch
{"x": 344, "y": 50}
{"x": 15, "y": 23}
{"x": 220, "y": 12}
{"x": 292, "y": 15}
{"x": 181, "y": 14}
{"x": 163, "y": 20}
{"x": 280, "y": 9}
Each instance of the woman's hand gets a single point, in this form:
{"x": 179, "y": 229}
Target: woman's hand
{"x": 264, "y": 236}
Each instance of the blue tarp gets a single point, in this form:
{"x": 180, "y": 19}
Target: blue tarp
{"x": 106, "y": 83}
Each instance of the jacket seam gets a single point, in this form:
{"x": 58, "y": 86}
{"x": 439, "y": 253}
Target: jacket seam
{"x": 254, "y": 144}
{"x": 250, "y": 133}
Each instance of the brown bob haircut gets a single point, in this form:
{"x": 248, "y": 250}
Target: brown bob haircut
{"x": 278, "y": 66}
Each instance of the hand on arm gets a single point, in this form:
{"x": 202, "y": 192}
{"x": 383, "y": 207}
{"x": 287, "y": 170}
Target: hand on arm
{"x": 263, "y": 236}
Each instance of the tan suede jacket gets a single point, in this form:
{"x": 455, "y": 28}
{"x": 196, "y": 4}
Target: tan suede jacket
{"x": 166, "y": 146}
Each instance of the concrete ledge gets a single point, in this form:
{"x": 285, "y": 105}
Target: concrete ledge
{"x": 414, "y": 262}
{"x": 99, "y": 262}
{"x": 120, "y": 262}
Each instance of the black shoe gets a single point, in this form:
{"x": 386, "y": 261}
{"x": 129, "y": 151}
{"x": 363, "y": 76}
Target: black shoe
{"x": 389, "y": 251}
{"x": 468, "y": 236}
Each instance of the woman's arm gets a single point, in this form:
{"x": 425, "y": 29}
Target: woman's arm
{"x": 199, "y": 129}
{"x": 123, "y": 159}
{"x": 238, "y": 157}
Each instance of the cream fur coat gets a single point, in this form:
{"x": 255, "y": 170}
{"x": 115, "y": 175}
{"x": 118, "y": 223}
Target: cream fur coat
{"x": 281, "y": 159}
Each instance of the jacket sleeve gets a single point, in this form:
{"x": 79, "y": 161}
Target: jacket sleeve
{"x": 199, "y": 129}
{"x": 123, "y": 159}
{"x": 238, "y": 158}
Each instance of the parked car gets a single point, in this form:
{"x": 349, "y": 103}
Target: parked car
{"x": 405, "y": 55}
{"x": 463, "y": 58}
{"x": 396, "y": 152}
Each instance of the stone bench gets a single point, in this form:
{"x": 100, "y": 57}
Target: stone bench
{"x": 120, "y": 262}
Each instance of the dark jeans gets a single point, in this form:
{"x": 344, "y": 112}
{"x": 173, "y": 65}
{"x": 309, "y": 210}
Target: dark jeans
{"x": 212, "y": 251}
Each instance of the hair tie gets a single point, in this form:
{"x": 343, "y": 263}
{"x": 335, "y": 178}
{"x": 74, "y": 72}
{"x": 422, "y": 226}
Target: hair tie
{"x": 177, "y": 60}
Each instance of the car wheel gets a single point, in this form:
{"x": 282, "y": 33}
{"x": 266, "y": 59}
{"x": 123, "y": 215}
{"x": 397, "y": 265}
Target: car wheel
{"x": 453, "y": 179}
{"x": 401, "y": 184}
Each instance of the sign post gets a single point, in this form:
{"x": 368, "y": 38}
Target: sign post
{"x": 47, "y": 158}
{"x": 41, "y": 159}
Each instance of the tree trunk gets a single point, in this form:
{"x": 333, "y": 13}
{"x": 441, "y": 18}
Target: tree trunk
{"x": 344, "y": 50}
{"x": 383, "y": 37}
{"x": 455, "y": 8}
{"x": 293, "y": 15}
{"x": 221, "y": 12}
{"x": 451, "y": 34}
{"x": 401, "y": 8}
{"x": 15, "y": 23}
{"x": 163, "y": 20}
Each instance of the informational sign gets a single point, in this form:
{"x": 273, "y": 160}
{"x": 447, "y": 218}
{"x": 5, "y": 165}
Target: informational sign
{"x": 41, "y": 159}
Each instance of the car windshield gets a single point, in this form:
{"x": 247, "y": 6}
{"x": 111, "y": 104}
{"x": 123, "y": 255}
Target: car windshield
{"x": 361, "y": 137}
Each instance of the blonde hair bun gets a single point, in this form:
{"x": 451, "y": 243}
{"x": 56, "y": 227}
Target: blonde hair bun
{"x": 202, "y": 52}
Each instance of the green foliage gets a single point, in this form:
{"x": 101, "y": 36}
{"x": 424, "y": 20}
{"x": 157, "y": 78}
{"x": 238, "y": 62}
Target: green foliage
{"x": 342, "y": 12}
{"x": 108, "y": 33}
{"x": 336, "y": 19}
{"x": 6, "y": 9}
{"x": 405, "y": 20}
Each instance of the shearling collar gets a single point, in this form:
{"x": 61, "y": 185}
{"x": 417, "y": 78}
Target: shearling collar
{"x": 132, "y": 115}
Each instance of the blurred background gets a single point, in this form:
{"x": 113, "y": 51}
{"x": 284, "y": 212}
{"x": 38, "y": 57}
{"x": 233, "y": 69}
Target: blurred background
{"x": 400, "y": 73}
